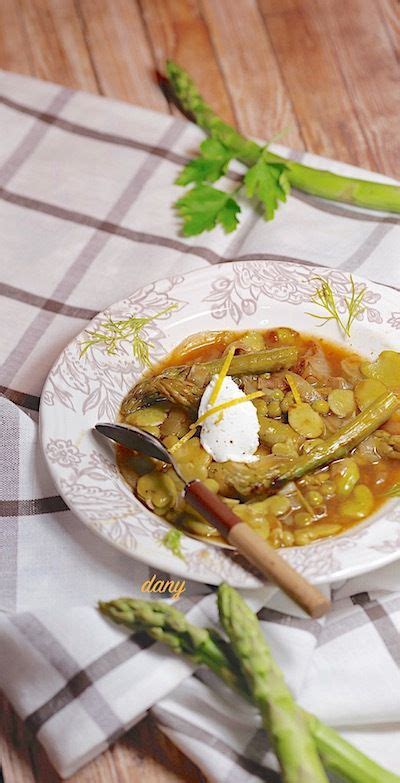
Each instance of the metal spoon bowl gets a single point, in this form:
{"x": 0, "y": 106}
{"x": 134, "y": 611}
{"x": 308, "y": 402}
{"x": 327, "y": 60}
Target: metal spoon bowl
{"x": 138, "y": 440}
{"x": 242, "y": 537}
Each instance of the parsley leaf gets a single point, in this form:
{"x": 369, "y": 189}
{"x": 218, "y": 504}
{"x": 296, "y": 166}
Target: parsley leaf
{"x": 203, "y": 207}
{"x": 172, "y": 540}
{"x": 269, "y": 182}
{"x": 209, "y": 166}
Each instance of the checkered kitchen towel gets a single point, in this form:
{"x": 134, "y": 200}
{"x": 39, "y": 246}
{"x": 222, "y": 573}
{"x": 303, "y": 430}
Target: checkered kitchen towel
{"x": 85, "y": 209}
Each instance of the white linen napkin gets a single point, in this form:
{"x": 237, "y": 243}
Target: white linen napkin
{"x": 79, "y": 682}
{"x": 86, "y": 188}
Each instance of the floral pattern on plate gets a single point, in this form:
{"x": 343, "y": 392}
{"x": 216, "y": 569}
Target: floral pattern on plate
{"x": 81, "y": 390}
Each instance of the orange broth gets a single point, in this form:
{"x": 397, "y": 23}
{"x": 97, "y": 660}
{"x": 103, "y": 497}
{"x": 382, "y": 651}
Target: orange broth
{"x": 379, "y": 477}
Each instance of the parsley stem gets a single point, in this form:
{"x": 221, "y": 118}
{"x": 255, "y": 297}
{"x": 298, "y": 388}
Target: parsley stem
{"x": 316, "y": 182}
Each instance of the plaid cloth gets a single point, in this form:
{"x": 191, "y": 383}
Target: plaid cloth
{"x": 85, "y": 210}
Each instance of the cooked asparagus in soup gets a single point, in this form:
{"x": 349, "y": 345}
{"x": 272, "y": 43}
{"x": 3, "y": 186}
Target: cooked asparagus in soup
{"x": 299, "y": 436}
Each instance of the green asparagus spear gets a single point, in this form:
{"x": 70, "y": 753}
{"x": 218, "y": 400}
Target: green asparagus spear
{"x": 344, "y": 759}
{"x": 270, "y": 360}
{"x": 374, "y": 195}
{"x": 209, "y": 649}
{"x": 340, "y": 443}
{"x": 166, "y": 624}
{"x": 184, "y": 385}
{"x": 270, "y": 471}
{"x": 282, "y": 719}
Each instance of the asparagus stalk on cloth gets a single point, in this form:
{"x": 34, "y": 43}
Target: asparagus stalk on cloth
{"x": 170, "y": 626}
{"x": 166, "y": 624}
{"x": 291, "y": 738}
{"x": 317, "y": 182}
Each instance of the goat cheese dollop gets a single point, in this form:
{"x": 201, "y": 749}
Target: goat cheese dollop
{"x": 231, "y": 434}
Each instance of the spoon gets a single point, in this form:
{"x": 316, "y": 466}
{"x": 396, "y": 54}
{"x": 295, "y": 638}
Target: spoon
{"x": 246, "y": 540}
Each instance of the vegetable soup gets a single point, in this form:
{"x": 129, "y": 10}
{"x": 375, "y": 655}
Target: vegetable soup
{"x": 298, "y": 435}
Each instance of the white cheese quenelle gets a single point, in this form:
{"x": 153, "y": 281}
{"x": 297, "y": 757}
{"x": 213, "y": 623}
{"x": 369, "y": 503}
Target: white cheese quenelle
{"x": 231, "y": 434}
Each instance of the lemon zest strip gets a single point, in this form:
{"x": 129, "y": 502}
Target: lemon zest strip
{"x": 223, "y": 405}
{"x": 210, "y": 412}
{"x": 221, "y": 376}
{"x": 293, "y": 388}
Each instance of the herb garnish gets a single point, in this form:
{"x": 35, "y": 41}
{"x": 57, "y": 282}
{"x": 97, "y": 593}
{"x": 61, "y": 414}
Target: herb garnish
{"x": 204, "y": 207}
{"x": 268, "y": 182}
{"x": 269, "y": 175}
{"x": 393, "y": 491}
{"x": 325, "y": 298}
{"x": 111, "y": 333}
{"x": 172, "y": 540}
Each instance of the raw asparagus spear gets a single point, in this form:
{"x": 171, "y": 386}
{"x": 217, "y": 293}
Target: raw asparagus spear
{"x": 344, "y": 759}
{"x": 374, "y": 195}
{"x": 184, "y": 385}
{"x": 166, "y": 624}
{"x": 208, "y": 648}
{"x": 292, "y": 741}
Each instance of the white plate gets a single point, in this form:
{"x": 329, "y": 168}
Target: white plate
{"x": 82, "y": 391}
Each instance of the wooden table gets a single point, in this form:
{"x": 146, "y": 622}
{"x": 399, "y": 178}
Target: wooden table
{"x": 321, "y": 74}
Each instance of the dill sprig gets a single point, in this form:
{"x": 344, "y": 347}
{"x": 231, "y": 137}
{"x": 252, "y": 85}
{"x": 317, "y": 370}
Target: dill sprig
{"x": 112, "y": 333}
{"x": 393, "y": 491}
{"x": 325, "y": 298}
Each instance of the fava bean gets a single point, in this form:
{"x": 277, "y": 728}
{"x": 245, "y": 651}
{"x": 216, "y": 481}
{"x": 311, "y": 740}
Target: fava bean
{"x": 304, "y": 537}
{"x": 274, "y": 409}
{"x": 286, "y": 335}
{"x": 342, "y": 402}
{"x": 277, "y": 505}
{"x": 320, "y": 406}
{"x": 251, "y": 341}
{"x": 385, "y": 369}
{"x": 147, "y": 416}
{"x": 301, "y": 537}
{"x": 303, "y": 519}
{"x": 314, "y": 498}
{"x": 272, "y": 432}
{"x": 359, "y": 504}
{"x": 192, "y": 460}
{"x": 287, "y": 538}
{"x": 197, "y": 526}
{"x": 262, "y": 408}
{"x": 322, "y": 475}
{"x": 304, "y": 420}
{"x": 310, "y": 444}
{"x": 287, "y": 401}
{"x": 176, "y": 423}
{"x": 367, "y": 391}
{"x": 276, "y": 538}
{"x": 346, "y": 474}
{"x": 277, "y": 394}
{"x": 328, "y": 490}
{"x": 284, "y": 449}
{"x": 256, "y": 516}
{"x": 157, "y": 490}
{"x": 383, "y": 448}
{"x": 323, "y": 530}
{"x": 152, "y": 430}
{"x": 211, "y": 484}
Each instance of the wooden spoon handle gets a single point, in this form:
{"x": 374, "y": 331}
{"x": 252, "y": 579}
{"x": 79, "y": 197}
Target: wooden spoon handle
{"x": 257, "y": 551}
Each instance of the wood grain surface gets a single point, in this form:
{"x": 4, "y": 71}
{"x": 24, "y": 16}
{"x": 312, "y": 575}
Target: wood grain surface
{"x": 324, "y": 73}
